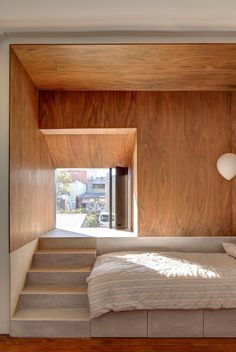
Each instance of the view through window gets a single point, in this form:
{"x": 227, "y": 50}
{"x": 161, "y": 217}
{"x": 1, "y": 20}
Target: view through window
{"x": 83, "y": 198}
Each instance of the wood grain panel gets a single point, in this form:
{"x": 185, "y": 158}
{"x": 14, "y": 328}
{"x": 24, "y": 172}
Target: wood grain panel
{"x": 130, "y": 67}
{"x": 87, "y": 109}
{"x": 233, "y": 150}
{"x": 95, "y": 151}
{"x": 179, "y": 141}
{"x": 84, "y": 131}
{"x": 9, "y": 344}
{"x": 31, "y": 174}
{"x": 134, "y": 189}
{"x": 180, "y": 136}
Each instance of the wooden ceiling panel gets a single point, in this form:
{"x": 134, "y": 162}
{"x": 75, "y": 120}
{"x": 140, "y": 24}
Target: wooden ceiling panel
{"x": 137, "y": 67}
{"x": 91, "y": 150}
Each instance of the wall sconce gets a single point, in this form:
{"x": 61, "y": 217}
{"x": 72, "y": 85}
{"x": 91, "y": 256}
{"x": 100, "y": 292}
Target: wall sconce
{"x": 226, "y": 165}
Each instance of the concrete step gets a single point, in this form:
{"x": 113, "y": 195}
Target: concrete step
{"x": 45, "y": 289}
{"x": 50, "y": 323}
{"x": 57, "y": 276}
{"x": 53, "y": 297}
{"x": 64, "y": 258}
{"x": 54, "y": 301}
{"x": 67, "y": 242}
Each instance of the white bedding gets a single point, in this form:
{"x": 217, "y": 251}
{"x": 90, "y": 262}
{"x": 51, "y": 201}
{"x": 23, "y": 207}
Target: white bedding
{"x": 161, "y": 280}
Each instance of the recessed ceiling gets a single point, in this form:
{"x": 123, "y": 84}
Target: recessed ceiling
{"x": 130, "y": 67}
{"x": 95, "y": 150}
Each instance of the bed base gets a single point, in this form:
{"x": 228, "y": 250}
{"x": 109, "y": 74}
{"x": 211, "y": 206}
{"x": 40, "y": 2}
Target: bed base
{"x": 166, "y": 323}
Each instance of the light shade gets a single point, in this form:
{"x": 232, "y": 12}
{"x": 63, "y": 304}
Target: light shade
{"x": 226, "y": 165}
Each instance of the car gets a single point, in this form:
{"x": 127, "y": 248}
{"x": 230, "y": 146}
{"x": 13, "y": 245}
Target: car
{"x": 104, "y": 219}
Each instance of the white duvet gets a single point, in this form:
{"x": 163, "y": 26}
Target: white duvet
{"x": 161, "y": 280}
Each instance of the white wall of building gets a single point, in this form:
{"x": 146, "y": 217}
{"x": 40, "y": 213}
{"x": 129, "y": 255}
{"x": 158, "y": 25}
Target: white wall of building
{"x": 76, "y": 189}
{"x": 4, "y": 141}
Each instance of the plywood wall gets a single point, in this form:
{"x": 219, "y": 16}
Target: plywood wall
{"x": 180, "y": 139}
{"x": 180, "y": 135}
{"x": 233, "y": 150}
{"x": 91, "y": 150}
{"x": 87, "y": 109}
{"x": 31, "y": 173}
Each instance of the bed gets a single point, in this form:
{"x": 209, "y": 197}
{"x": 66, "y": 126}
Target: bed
{"x": 131, "y": 281}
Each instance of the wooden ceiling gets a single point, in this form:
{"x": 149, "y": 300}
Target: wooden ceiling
{"x": 91, "y": 150}
{"x": 150, "y": 67}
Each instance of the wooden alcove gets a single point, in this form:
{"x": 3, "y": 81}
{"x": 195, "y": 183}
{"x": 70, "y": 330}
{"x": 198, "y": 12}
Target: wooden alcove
{"x": 167, "y": 111}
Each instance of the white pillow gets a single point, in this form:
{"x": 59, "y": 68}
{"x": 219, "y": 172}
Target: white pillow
{"x": 230, "y": 249}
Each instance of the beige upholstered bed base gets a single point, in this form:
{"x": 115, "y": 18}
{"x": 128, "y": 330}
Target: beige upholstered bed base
{"x": 166, "y": 323}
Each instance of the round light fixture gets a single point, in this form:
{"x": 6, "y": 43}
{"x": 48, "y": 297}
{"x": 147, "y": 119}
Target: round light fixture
{"x": 226, "y": 165}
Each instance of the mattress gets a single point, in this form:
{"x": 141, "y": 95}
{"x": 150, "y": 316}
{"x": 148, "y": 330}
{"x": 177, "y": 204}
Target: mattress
{"x": 124, "y": 281}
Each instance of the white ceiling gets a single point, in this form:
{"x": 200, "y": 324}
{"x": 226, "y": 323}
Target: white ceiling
{"x": 45, "y": 16}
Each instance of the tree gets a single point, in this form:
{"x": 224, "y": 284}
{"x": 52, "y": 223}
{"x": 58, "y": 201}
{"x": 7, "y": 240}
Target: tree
{"x": 91, "y": 220}
{"x": 63, "y": 180}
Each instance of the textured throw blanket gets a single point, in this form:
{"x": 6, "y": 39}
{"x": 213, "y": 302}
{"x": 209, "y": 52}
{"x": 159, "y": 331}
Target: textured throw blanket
{"x": 161, "y": 280}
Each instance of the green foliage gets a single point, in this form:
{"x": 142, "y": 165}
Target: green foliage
{"x": 63, "y": 180}
{"x": 91, "y": 220}
{"x": 74, "y": 211}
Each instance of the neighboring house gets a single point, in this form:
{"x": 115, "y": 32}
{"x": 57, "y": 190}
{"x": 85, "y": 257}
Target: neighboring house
{"x": 92, "y": 202}
{"x": 92, "y": 197}
{"x": 97, "y": 185}
{"x": 79, "y": 175}
{"x": 95, "y": 199}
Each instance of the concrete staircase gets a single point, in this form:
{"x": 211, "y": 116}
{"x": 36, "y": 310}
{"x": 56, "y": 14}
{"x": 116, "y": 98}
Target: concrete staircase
{"x": 54, "y": 301}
